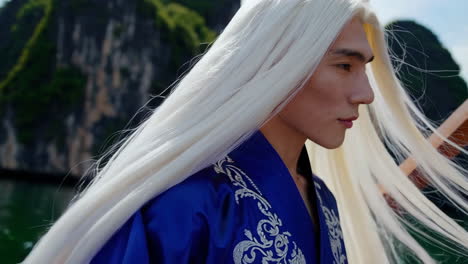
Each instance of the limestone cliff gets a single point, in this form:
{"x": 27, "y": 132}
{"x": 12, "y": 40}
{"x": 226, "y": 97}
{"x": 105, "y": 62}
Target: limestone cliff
{"x": 76, "y": 71}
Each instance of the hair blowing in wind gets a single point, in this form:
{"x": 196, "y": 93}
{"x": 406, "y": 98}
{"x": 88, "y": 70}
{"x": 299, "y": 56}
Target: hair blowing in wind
{"x": 253, "y": 69}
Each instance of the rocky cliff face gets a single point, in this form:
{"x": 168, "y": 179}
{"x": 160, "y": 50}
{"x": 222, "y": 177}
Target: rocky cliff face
{"x": 77, "y": 71}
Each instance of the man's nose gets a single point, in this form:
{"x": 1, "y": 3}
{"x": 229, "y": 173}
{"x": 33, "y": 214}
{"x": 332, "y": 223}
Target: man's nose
{"x": 362, "y": 92}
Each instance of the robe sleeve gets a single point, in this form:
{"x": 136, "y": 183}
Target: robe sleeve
{"x": 171, "y": 228}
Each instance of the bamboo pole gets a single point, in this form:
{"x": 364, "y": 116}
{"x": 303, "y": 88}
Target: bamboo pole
{"x": 454, "y": 128}
{"x": 456, "y": 125}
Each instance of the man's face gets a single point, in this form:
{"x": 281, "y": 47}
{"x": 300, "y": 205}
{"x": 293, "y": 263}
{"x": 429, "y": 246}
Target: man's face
{"x": 335, "y": 90}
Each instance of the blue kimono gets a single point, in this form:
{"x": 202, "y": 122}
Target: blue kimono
{"x": 245, "y": 208}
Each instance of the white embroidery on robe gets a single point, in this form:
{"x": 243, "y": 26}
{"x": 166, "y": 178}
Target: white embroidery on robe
{"x": 334, "y": 231}
{"x": 272, "y": 245}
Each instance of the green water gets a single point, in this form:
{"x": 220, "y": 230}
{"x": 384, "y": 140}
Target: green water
{"x": 26, "y": 210}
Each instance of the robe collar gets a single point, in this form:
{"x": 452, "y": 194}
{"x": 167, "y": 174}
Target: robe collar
{"x": 263, "y": 164}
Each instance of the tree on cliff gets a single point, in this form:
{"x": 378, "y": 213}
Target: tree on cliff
{"x": 427, "y": 69}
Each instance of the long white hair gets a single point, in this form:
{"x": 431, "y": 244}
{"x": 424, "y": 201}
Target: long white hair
{"x": 259, "y": 62}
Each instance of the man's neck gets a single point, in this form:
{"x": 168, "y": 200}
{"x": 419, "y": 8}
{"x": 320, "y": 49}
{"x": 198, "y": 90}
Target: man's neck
{"x": 286, "y": 141}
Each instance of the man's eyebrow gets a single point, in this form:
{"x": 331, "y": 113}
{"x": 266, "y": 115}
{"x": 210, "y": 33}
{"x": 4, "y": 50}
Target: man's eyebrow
{"x": 351, "y": 53}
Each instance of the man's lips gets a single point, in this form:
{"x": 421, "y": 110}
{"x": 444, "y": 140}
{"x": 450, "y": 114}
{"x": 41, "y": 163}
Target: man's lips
{"x": 349, "y": 119}
{"x": 348, "y": 122}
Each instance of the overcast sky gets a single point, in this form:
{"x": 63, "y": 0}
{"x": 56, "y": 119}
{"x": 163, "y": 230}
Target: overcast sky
{"x": 448, "y": 19}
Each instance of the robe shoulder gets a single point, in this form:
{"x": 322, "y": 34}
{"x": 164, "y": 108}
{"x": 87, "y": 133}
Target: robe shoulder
{"x": 175, "y": 226}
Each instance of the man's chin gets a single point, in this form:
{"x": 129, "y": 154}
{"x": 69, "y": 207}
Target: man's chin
{"x": 331, "y": 144}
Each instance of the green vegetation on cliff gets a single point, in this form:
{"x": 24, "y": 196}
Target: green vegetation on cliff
{"x": 42, "y": 6}
{"x": 204, "y": 8}
{"x": 34, "y": 87}
{"x": 184, "y": 29}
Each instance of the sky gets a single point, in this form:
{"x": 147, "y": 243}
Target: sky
{"x": 448, "y": 19}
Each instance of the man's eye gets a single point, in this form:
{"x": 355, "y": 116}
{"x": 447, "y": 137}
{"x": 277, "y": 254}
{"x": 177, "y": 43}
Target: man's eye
{"x": 346, "y": 67}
